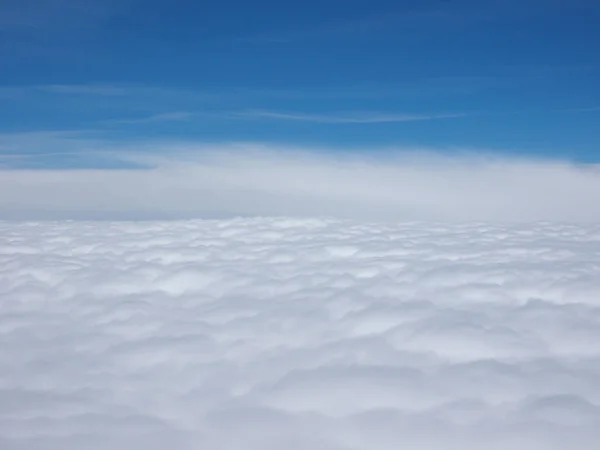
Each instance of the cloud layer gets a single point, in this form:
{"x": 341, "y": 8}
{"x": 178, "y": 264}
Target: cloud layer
{"x": 194, "y": 181}
{"x": 352, "y": 118}
{"x": 298, "y": 333}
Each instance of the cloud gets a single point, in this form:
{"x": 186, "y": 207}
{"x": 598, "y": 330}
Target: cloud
{"x": 56, "y": 15}
{"x": 584, "y": 110}
{"x": 84, "y": 89}
{"x": 43, "y": 143}
{"x": 305, "y": 333}
{"x": 345, "y": 118}
{"x": 414, "y": 19}
{"x": 174, "y": 116}
{"x": 436, "y": 86}
{"x": 367, "y": 24}
{"x": 183, "y": 180}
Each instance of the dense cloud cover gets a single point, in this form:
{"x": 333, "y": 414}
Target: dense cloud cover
{"x": 218, "y": 182}
{"x": 263, "y": 334}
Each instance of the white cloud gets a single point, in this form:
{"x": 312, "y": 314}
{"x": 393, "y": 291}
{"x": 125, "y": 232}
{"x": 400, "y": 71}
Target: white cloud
{"x": 83, "y": 89}
{"x": 174, "y": 116}
{"x": 369, "y": 117}
{"x": 57, "y": 15}
{"x": 588, "y": 109}
{"x": 301, "y": 333}
{"x": 187, "y": 180}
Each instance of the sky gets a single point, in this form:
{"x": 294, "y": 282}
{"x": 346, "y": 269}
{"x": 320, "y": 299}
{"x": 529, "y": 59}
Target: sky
{"x": 507, "y": 77}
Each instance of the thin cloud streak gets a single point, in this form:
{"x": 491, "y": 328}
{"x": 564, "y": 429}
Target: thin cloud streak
{"x": 432, "y": 86}
{"x": 370, "y": 117}
{"x": 174, "y": 116}
{"x": 585, "y": 110}
{"x": 36, "y": 16}
{"x": 84, "y": 89}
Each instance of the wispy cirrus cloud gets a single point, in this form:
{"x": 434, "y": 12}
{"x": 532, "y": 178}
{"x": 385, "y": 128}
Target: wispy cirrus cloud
{"x": 174, "y": 116}
{"x": 411, "y": 18}
{"x": 327, "y": 30}
{"x": 49, "y": 141}
{"x": 84, "y": 89}
{"x": 341, "y": 118}
{"x": 51, "y": 149}
{"x": 56, "y": 15}
{"x": 431, "y": 86}
{"x": 441, "y": 86}
{"x": 584, "y": 110}
{"x": 416, "y": 19}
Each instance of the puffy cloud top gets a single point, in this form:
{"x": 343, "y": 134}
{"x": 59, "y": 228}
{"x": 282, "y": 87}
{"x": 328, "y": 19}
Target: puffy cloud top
{"x": 299, "y": 333}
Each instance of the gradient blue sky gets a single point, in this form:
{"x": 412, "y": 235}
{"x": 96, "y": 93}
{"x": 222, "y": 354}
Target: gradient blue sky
{"x": 520, "y": 77}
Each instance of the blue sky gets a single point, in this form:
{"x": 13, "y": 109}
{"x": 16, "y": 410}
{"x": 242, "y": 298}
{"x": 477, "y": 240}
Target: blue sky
{"x": 518, "y": 77}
